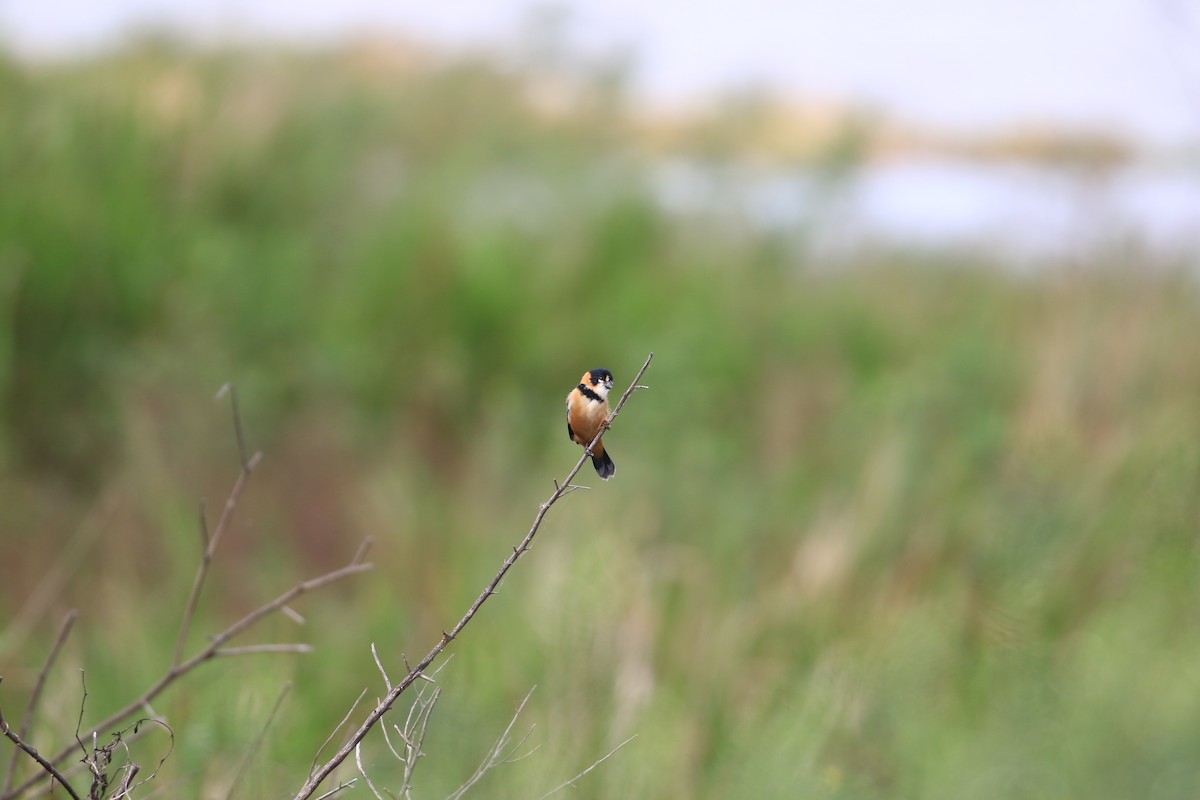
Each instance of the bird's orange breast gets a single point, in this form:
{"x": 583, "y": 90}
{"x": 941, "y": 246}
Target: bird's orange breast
{"x": 585, "y": 417}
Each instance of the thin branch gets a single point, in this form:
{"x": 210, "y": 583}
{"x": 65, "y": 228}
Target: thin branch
{"x": 386, "y": 680}
{"x": 201, "y": 517}
{"x": 254, "y": 616}
{"x": 313, "y": 767}
{"x": 231, "y": 390}
{"x": 416, "y": 724}
{"x": 211, "y": 542}
{"x": 255, "y": 649}
{"x": 496, "y": 756}
{"x": 338, "y": 788}
{"x": 363, "y": 549}
{"x": 294, "y": 615}
{"x": 414, "y": 736}
{"x": 571, "y": 782}
{"x": 54, "y": 774}
{"x": 315, "y": 779}
{"x": 82, "y": 706}
{"x": 127, "y": 785}
{"x": 362, "y": 771}
{"x": 258, "y": 740}
{"x": 27, "y": 720}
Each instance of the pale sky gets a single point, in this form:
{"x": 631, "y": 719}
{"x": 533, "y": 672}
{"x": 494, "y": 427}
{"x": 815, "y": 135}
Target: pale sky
{"x": 1131, "y": 67}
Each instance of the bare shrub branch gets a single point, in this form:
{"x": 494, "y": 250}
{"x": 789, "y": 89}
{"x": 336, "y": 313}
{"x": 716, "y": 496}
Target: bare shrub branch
{"x": 214, "y": 648}
{"x": 315, "y": 778}
{"x": 99, "y": 760}
{"x": 415, "y": 726}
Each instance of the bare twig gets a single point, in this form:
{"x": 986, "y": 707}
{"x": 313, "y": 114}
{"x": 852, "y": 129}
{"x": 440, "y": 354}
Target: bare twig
{"x": 386, "y": 680}
{"x": 231, "y": 390}
{"x": 362, "y": 551}
{"x": 313, "y": 767}
{"x": 257, "y": 743}
{"x": 127, "y": 785}
{"x": 203, "y": 520}
{"x": 414, "y": 736}
{"x": 255, "y": 649}
{"x": 294, "y": 615}
{"x": 27, "y": 720}
{"x": 338, "y": 788}
{"x": 211, "y": 542}
{"x": 415, "y": 726}
{"x": 32, "y": 753}
{"x": 315, "y": 778}
{"x": 82, "y": 706}
{"x": 362, "y": 771}
{"x": 571, "y": 782}
{"x": 496, "y": 756}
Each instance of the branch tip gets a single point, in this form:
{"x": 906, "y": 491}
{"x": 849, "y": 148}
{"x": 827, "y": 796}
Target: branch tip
{"x": 363, "y": 549}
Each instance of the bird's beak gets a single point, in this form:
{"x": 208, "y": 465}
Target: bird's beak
{"x": 608, "y": 384}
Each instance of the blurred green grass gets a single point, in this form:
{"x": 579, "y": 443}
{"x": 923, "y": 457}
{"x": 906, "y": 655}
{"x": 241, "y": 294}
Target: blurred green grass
{"x": 909, "y": 526}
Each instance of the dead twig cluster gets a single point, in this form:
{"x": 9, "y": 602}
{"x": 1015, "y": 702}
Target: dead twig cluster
{"x": 97, "y": 758}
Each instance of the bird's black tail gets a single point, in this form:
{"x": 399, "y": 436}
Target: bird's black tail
{"x": 604, "y": 465}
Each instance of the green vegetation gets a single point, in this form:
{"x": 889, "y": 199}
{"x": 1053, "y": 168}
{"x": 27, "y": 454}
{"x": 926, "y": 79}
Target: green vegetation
{"x": 910, "y": 526}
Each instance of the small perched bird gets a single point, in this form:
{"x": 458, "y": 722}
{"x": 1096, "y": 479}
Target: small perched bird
{"x": 587, "y": 411}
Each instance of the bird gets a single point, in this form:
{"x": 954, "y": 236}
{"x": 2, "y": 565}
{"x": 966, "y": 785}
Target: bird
{"x": 587, "y": 413}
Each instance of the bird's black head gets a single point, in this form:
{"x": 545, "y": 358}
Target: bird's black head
{"x": 599, "y": 376}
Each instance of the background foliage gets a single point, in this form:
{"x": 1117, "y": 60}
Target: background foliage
{"x": 899, "y": 525}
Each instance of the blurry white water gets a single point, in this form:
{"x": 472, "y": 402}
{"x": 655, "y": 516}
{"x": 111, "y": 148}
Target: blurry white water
{"x": 1013, "y": 211}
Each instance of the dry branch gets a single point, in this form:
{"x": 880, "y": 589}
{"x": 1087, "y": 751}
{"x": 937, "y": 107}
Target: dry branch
{"x": 214, "y": 648}
{"x": 560, "y": 489}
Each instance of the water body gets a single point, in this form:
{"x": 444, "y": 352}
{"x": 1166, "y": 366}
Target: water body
{"x": 1016, "y": 211}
